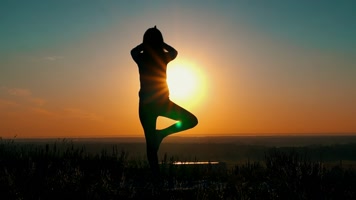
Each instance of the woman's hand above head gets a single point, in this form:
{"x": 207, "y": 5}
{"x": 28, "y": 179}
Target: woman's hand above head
{"x": 171, "y": 51}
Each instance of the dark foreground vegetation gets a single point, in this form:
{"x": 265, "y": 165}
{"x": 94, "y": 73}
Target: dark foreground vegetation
{"x": 61, "y": 170}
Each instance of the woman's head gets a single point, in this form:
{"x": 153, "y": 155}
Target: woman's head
{"x": 153, "y": 39}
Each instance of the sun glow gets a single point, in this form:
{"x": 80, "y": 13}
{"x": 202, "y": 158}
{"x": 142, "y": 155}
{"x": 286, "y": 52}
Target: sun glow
{"x": 186, "y": 82}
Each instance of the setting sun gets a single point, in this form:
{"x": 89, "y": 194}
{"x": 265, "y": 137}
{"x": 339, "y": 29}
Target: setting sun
{"x": 186, "y": 83}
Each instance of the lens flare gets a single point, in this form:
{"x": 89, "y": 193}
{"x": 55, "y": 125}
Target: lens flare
{"x": 179, "y": 124}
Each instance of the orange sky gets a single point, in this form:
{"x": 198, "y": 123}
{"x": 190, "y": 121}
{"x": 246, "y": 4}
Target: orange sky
{"x": 83, "y": 83}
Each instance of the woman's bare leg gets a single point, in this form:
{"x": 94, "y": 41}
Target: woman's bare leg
{"x": 148, "y": 122}
{"x": 148, "y": 117}
{"x": 185, "y": 120}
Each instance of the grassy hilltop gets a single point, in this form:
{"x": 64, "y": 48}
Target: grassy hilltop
{"x": 63, "y": 170}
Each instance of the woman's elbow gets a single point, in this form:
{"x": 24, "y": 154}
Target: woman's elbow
{"x": 174, "y": 54}
{"x": 134, "y": 54}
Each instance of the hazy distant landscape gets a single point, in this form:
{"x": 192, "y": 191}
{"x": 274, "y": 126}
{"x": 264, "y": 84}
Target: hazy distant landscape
{"x": 284, "y": 140}
{"x": 229, "y": 149}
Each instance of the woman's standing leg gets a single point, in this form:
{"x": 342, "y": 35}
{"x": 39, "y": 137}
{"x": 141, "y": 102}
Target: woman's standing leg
{"x": 148, "y": 120}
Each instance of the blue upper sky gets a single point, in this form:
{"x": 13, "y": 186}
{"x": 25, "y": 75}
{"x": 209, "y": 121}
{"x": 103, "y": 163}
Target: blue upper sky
{"x": 40, "y": 23}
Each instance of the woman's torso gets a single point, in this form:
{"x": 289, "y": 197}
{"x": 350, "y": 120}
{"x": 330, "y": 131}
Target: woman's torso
{"x": 153, "y": 75}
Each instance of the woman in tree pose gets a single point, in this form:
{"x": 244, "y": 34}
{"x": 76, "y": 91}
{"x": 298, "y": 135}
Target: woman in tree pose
{"x": 152, "y": 57}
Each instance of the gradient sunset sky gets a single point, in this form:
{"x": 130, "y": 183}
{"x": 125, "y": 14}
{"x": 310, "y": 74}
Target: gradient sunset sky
{"x": 264, "y": 67}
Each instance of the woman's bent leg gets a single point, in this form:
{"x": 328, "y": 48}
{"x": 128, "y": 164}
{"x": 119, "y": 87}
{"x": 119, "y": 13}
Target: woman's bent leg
{"x": 185, "y": 119}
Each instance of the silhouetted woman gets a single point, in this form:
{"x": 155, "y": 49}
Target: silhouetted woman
{"x": 152, "y": 57}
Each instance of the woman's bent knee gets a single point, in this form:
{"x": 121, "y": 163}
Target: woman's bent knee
{"x": 193, "y": 121}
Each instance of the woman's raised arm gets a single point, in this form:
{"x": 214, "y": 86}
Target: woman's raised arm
{"x": 135, "y": 52}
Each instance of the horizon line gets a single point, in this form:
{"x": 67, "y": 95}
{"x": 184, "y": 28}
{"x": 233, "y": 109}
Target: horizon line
{"x": 193, "y": 136}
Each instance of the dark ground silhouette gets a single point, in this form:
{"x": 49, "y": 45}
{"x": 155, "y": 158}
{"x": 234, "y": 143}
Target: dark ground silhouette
{"x": 63, "y": 170}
